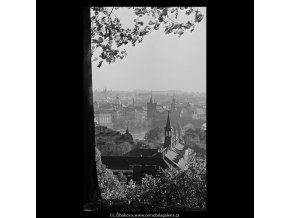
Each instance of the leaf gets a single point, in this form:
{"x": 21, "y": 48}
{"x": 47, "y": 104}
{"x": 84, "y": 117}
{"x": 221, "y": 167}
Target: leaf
{"x": 164, "y": 12}
{"x": 100, "y": 39}
{"x": 156, "y": 27}
{"x": 100, "y": 64}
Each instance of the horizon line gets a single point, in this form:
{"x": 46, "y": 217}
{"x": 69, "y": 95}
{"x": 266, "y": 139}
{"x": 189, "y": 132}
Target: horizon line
{"x": 149, "y": 90}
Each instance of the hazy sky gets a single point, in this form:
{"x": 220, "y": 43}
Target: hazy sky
{"x": 160, "y": 62}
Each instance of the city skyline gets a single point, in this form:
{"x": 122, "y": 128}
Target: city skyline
{"x": 145, "y": 90}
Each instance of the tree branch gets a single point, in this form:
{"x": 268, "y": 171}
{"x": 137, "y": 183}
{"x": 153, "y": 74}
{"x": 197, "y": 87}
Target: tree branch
{"x": 111, "y": 11}
{"x": 172, "y": 20}
{"x": 115, "y": 15}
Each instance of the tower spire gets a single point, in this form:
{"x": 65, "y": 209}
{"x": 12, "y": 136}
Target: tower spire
{"x": 168, "y": 126}
{"x": 167, "y": 141}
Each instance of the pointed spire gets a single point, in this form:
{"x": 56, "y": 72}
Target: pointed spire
{"x": 168, "y": 126}
{"x": 151, "y": 98}
{"x": 127, "y": 130}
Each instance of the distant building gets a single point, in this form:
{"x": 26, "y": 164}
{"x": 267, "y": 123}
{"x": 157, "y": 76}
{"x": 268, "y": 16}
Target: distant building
{"x": 157, "y": 114}
{"x": 105, "y": 117}
{"x": 96, "y": 121}
{"x": 203, "y": 116}
{"x": 140, "y": 113}
{"x": 200, "y": 110}
{"x": 173, "y": 105}
{"x": 151, "y": 108}
{"x": 191, "y": 138}
{"x": 195, "y": 116}
{"x": 121, "y": 115}
{"x": 96, "y": 105}
{"x": 117, "y": 102}
{"x": 130, "y": 113}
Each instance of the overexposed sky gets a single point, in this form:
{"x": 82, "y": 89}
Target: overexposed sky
{"x": 160, "y": 62}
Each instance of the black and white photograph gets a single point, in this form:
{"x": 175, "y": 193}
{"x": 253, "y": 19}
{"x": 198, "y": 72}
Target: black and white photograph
{"x": 144, "y": 97}
{"x": 129, "y": 94}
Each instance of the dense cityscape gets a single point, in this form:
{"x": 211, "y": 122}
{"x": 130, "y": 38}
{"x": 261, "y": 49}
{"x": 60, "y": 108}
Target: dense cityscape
{"x": 140, "y": 110}
{"x": 141, "y": 136}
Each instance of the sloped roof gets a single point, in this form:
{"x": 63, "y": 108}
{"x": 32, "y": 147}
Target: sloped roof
{"x": 180, "y": 146}
{"x": 177, "y": 159}
{"x": 176, "y": 155}
{"x": 121, "y": 162}
{"x": 170, "y": 163}
{"x": 144, "y": 152}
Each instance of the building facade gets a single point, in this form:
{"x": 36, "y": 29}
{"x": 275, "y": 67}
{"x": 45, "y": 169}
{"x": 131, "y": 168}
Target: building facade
{"x": 105, "y": 117}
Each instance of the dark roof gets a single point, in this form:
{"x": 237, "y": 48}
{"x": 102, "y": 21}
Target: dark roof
{"x": 170, "y": 162}
{"x": 144, "y": 152}
{"x": 139, "y": 108}
{"x": 121, "y": 162}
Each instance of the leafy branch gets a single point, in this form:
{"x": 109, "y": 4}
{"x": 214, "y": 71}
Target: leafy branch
{"x": 110, "y": 35}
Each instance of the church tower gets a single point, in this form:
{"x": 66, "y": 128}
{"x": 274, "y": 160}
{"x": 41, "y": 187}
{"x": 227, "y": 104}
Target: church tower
{"x": 151, "y": 108}
{"x": 167, "y": 141}
{"x": 173, "y": 105}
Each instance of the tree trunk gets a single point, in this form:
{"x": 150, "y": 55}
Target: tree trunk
{"x": 90, "y": 182}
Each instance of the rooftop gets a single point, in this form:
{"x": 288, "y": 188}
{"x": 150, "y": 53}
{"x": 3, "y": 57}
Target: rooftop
{"x": 141, "y": 152}
{"x": 121, "y": 162}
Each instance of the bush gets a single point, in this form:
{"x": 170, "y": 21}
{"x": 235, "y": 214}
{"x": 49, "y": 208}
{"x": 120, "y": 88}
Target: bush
{"x": 173, "y": 189}
{"x": 154, "y": 135}
{"x": 111, "y": 188}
